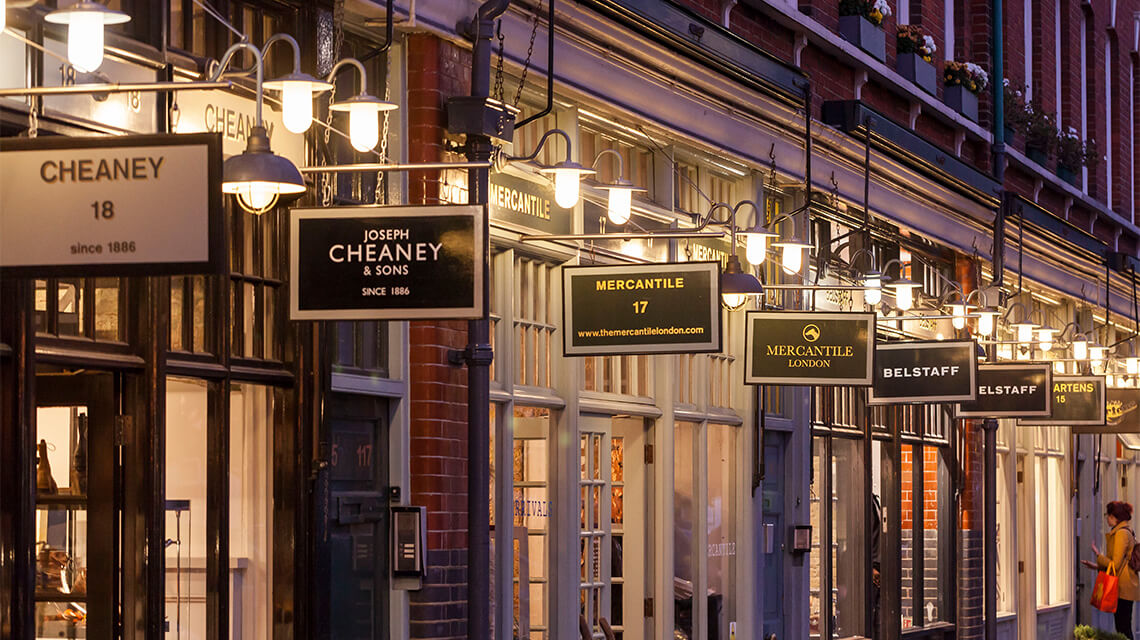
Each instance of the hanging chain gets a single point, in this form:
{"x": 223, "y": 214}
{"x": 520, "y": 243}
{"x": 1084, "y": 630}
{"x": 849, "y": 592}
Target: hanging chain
{"x": 338, "y": 44}
{"x": 381, "y": 182}
{"x": 33, "y": 121}
{"x": 529, "y": 53}
{"x": 497, "y": 93}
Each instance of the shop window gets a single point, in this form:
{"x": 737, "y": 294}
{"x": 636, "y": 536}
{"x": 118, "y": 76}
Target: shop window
{"x": 848, "y": 538}
{"x": 92, "y": 308}
{"x": 251, "y": 511}
{"x": 534, "y": 321}
{"x": 723, "y": 446}
{"x": 637, "y": 161}
{"x": 187, "y": 425}
{"x": 623, "y": 375}
{"x": 722, "y": 383}
{"x": 816, "y": 583}
{"x": 1006, "y": 488}
{"x": 1054, "y": 553}
{"x": 256, "y": 292}
{"x": 685, "y": 523}
{"x": 362, "y": 346}
{"x": 188, "y": 303}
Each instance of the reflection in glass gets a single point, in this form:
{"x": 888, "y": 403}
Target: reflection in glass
{"x": 848, "y": 536}
{"x": 684, "y": 525}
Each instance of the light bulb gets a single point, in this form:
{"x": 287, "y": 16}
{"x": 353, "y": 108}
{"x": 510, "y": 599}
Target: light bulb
{"x": 959, "y": 313}
{"x": 756, "y": 248}
{"x": 1045, "y": 338}
{"x": 1097, "y": 353}
{"x": 792, "y": 259}
{"x": 873, "y": 290}
{"x": 297, "y": 106}
{"x": 619, "y": 205}
{"x": 904, "y": 298}
{"x": 733, "y": 300}
{"x": 566, "y": 188}
{"x": 1025, "y": 333}
{"x": 986, "y": 324}
{"x": 258, "y": 196}
{"x": 1132, "y": 365}
{"x": 1059, "y": 366}
{"x": 363, "y": 126}
{"x": 1080, "y": 349}
{"x": 85, "y": 41}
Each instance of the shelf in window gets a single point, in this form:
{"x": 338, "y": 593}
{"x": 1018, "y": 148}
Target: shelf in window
{"x": 60, "y": 500}
{"x": 43, "y": 595}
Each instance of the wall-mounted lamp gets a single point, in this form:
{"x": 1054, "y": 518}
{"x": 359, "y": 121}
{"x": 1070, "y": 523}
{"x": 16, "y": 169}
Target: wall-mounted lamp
{"x": 567, "y": 175}
{"x": 619, "y": 205}
{"x": 757, "y": 236}
{"x": 297, "y": 89}
{"x": 987, "y": 318}
{"x": 363, "y": 109}
{"x": 792, "y": 252}
{"x": 258, "y": 177}
{"x": 85, "y": 22}
{"x": 872, "y": 287}
{"x": 735, "y": 284}
{"x": 1080, "y": 347}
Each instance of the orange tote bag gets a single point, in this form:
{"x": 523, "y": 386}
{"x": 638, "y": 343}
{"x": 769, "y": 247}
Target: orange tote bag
{"x": 1106, "y": 591}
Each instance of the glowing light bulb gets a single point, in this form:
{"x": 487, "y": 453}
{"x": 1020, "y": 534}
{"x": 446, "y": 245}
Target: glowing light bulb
{"x": 1080, "y": 349}
{"x": 1045, "y": 338}
{"x": 939, "y": 336}
{"x": 959, "y": 313}
{"x": 756, "y": 248}
{"x": 986, "y": 324}
{"x": 1059, "y": 367}
{"x": 297, "y": 106}
{"x": 733, "y": 300}
{"x": 1132, "y": 365}
{"x": 792, "y": 259}
{"x": 1096, "y": 354}
{"x": 1025, "y": 333}
{"x": 566, "y": 188}
{"x": 258, "y": 196}
{"x": 85, "y": 41}
{"x": 904, "y": 298}
{"x": 619, "y": 205}
{"x": 363, "y": 126}
{"x": 873, "y": 290}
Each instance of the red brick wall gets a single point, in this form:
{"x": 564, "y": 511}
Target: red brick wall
{"x": 929, "y": 486}
{"x": 437, "y": 70}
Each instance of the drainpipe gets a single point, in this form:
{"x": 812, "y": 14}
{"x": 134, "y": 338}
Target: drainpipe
{"x": 990, "y": 426}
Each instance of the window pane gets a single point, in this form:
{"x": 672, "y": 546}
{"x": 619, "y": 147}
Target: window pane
{"x": 848, "y": 536}
{"x": 906, "y": 570}
{"x": 722, "y": 527}
{"x": 815, "y": 572}
{"x": 199, "y": 335}
{"x": 107, "y": 308}
{"x": 70, "y": 313}
{"x": 1005, "y": 565}
{"x": 684, "y": 524}
{"x": 186, "y": 445}
{"x": 41, "y": 305}
{"x": 176, "y": 284}
{"x": 251, "y": 510}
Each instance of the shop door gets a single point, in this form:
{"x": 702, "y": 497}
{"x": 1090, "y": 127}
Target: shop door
{"x": 772, "y": 550}
{"x": 616, "y": 563}
{"x": 355, "y": 507}
{"x": 77, "y": 505}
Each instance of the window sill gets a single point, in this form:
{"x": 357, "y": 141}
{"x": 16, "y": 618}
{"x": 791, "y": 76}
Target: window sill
{"x": 1053, "y": 607}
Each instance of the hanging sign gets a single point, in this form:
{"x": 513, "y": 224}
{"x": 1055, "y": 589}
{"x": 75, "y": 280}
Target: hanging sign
{"x": 111, "y": 206}
{"x": 790, "y": 348}
{"x": 388, "y": 263}
{"x": 1010, "y": 391}
{"x": 1121, "y": 413}
{"x": 914, "y": 372}
{"x": 1077, "y": 400}
{"x": 645, "y": 308}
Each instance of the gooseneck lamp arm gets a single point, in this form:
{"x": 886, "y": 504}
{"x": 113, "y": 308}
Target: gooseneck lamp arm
{"x": 284, "y": 37}
{"x": 350, "y": 62}
{"x": 541, "y": 142}
{"x": 227, "y": 58}
{"x": 615, "y": 154}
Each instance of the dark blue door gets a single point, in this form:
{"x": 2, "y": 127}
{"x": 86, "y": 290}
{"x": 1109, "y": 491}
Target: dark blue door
{"x": 772, "y": 531}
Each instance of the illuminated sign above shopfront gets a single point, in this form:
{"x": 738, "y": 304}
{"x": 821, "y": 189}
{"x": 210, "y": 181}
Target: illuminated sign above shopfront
{"x": 913, "y": 372}
{"x": 827, "y": 349}
{"x": 1010, "y": 391}
{"x": 652, "y": 308}
{"x": 389, "y": 263}
{"x": 1077, "y": 401}
{"x": 111, "y": 206}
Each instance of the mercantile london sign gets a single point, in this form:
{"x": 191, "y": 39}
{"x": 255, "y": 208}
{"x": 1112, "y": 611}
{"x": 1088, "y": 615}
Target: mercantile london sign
{"x": 819, "y": 348}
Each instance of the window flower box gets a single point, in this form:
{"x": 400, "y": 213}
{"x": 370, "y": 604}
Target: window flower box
{"x": 914, "y": 68}
{"x": 864, "y": 34}
{"x": 964, "y": 81}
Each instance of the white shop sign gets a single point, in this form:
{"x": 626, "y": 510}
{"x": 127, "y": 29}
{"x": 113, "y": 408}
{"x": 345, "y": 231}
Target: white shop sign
{"x": 137, "y": 205}
{"x": 233, "y": 116}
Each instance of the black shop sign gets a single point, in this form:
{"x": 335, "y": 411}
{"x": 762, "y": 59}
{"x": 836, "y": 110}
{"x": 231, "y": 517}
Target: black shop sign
{"x": 1121, "y": 413}
{"x": 651, "y": 308}
{"x": 915, "y": 372}
{"x": 1077, "y": 401}
{"x": 1010, "y": 391}
{"x": 391, "y": 263}
{"x": 790, "y": 348}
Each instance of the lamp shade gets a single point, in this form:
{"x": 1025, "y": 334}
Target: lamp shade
{"x": 958, "y": 310}
{"x": 987, "y": 316}
{"x": 904, "y": 292}
{"x": 619, "y": 205}
{"x": 258, "y": 176}
{"x": 297, "y": 91}
{"x": 363, "y": 119}
{"x": 756, "y": 244}
{"x": 792, "y": 254}
{"x": 85, "y": 22}
{"x": 736, "y": 285}
{"x": 567, "y": 176}
{"x": 873, "y": 288}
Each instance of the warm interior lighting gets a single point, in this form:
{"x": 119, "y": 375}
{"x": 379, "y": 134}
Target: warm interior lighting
{"x": 85, "y": 22}
{"x": 733, "y": 301}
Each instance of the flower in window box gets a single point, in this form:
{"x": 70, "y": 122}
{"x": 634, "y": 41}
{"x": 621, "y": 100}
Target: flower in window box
{"x": 910, "y": 39}
{"x": 874, "y": 11}
{"x": 966, "y": 74}
{"x": 1074, "y": 153}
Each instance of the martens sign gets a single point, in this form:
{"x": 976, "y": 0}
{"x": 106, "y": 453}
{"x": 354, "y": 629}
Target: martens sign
{"x": 652, "y": 308}
{"x": 1010, "y": 391}
{"x": 389, "y": 263}
{"x": 1077, "y": 401}
{"x": 790, "y": 348}
{"x": 915, "y": 372}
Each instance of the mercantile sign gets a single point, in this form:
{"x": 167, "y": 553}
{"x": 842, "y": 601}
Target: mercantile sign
{"x": 810, "y": 348}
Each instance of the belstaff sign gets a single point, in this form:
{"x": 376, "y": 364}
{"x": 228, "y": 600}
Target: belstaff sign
{"x": 789, "y": 348}
{"x": 913, "y": 372}
{"x": 1010, "y": 391}
{"x": 111, "y": 206}
{"x": 385, "y": 263}
{"x": 651, "y": 308}
{"x": 1077, "y": 401}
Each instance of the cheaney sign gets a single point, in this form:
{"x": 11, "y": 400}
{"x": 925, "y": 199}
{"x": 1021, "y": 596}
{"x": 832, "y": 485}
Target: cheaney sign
{"x": 388, "y": 263}
{"x": 1010, "y": 391}
{"x": 907, "y": 372}
{"x": 1077, "y": 400}
{"x": 788, "y": 348}
{"x": 651, "y": 308}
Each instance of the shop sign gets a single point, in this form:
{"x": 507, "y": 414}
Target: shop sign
{"x": 1010, "y": 391}
{"x": 1121, "y": 413}
{"x": 646, "y": 308}
{"x": 111, "y": 206}
{"x": 821, "y": 348}
{"x": 525, "y": 203}
{"x": 233, "y": 117}
{"x": 1077, "y": 400}
{"x": 914, "y": 372}
{"x": 388, "y": 263}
